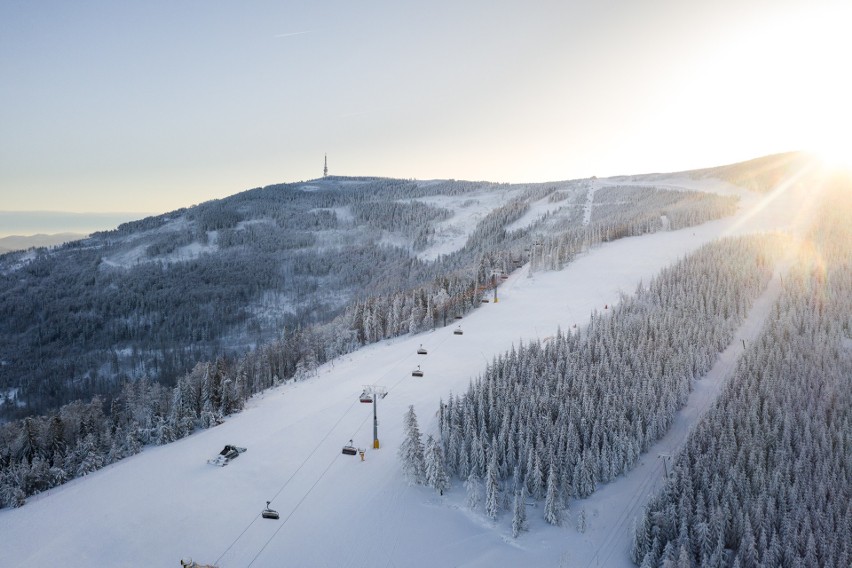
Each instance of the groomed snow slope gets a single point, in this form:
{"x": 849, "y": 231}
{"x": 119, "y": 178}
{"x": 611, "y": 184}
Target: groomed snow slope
{"x": 166, "y": 503}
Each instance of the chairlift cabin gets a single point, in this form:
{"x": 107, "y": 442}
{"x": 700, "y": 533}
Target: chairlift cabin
{"x": 366, "y": 397}
{"x": 349, "y": 449}
{"x": 269, "y": 513}
{"x": 458, "y": 331}
{"x": 417, "y": 372}
{"x": 421, "y": 350}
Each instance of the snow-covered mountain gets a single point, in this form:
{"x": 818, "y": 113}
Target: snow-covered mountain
{"x": 153, "y": 297}
{"x": 167, "y": 503}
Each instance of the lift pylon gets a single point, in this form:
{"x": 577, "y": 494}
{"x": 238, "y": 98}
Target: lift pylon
{"x": 376, "y": 392}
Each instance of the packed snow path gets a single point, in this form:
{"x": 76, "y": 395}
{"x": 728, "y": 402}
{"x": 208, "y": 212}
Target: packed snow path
{"x": 166, "y": 503}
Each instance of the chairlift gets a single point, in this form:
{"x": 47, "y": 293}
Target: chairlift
{"x": 421, "y": 350}
{"x": 349, "y": 449}
{"x": 417, "y": 372}
{"x": 366, "y": 397}
{"x": 269, "y": 513}
{"x": 458, "y": 331}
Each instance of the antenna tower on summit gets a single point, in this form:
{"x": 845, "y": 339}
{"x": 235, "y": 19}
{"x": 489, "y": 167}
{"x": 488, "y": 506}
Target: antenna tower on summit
{"x": 325, "y": 167}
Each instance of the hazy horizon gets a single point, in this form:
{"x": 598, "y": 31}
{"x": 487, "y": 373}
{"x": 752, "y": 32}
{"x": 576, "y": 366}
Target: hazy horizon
{"x": 29, "y": 223}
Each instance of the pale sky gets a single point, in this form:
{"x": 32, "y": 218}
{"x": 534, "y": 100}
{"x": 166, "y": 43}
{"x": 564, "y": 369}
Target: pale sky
{"x": 150, "y": 106}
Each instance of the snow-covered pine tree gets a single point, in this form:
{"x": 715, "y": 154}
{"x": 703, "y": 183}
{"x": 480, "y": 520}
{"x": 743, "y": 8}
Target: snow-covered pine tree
{"x": 436, "y": 473}
{"x": 473, "y": 486}
{"x": 552, "y": 501}
{"x": 411, "y": 450}
{"x": 519, "y": 513}
{"x": 492, "y": 489}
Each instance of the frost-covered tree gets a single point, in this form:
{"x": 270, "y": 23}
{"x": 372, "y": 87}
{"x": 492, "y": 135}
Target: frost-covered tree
{"x": 552, "y": 503}
{"x": 763, "y": 480}
{"x": 473, "y": 486}
{"x": 492, "y": 489}
{"x": 411, "y": 451}
{"x": 436, "y": 473}
{"x": 581, "y": 520}
{"x": 519, "y": 512}
{"x": 585, "y": 405}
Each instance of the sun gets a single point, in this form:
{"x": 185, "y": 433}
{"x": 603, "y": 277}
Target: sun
{"x": 836, "y": 155}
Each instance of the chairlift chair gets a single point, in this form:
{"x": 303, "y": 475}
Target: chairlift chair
{"x": 366, "y": 397}
{"x": 269, "y": 513}
{"x": 458, "y": 316}
{"x": 458, "y": 331}
{"x": 485, "y": 300}
{"x": 417, "y": 372}
{"x": 349, "y": 449}
{"x": 421, "y": 350}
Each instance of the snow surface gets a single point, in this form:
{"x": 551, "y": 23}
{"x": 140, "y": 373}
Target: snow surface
{"x": 166, "y": 503}
{"x": 469, "y": 209}
{"x": 540, "y": 208}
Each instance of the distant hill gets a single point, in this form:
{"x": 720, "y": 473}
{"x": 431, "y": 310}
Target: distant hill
{"x": 23, "y": 242}
{"x": 761, "y": 174}
{"x": 54, "y": 222}
{"x": 378, "y": 256}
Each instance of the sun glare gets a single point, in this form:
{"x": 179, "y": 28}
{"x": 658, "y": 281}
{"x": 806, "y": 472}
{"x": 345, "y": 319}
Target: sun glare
{"x": 836, "y": 156}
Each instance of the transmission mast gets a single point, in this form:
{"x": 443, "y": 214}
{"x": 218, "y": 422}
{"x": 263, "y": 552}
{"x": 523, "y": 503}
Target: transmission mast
{"x": 325, "y": 167}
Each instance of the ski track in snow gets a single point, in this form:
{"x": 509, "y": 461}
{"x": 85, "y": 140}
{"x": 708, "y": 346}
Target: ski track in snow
{"x": 590, "y": 199}
{"x": 166, "y": 503}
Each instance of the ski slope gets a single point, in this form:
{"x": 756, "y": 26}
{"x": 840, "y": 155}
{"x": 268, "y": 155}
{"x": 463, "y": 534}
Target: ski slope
{"x": 166, "y": 503}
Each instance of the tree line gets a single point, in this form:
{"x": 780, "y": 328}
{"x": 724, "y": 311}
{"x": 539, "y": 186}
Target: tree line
{"x": 766, "y": 477}
{"x": 552, "y": 420}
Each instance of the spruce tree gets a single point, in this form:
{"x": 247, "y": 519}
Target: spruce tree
{"x": 492, "y": 489}
{"x": 552, "y": 502}
{"x": 474, "y": 491}
{"x": 411, "y": 450}
{"x": 519, "y": 516}
{"x": 436, "y": 473}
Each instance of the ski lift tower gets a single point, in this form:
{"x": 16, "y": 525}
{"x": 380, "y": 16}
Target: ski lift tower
{"x": 376, "y": 392}
{"x": 494, "y": 274}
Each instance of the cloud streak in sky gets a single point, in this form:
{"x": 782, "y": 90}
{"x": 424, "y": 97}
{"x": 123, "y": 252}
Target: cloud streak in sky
{"x": 291, "y": 34}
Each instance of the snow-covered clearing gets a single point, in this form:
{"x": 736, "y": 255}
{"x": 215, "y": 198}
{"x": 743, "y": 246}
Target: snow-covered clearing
{"x": 540, "y": 208}
{"x": 451, "y": 235}
{"x": 590, "y": 198}
{"x": 167, "y": 503}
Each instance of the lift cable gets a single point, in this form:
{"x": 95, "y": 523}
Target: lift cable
{"x": 289, "y": 479}
{"x": 404, "y": 377}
